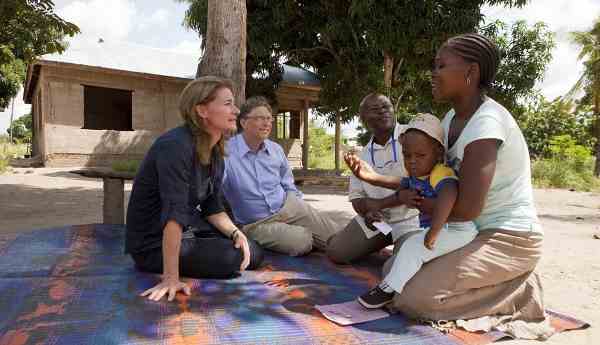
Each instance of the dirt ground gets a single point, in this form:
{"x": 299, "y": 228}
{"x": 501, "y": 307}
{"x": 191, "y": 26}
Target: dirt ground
{"x": 570, "y": 269}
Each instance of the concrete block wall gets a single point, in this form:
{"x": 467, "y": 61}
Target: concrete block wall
{"x": 62, "y": 141}
{"x": 66, "y": 143}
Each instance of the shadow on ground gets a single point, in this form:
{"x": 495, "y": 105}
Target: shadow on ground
{"x": 591, "y": 218}
{"x": 71, "y": 175}
{"x": 25, "y": 208}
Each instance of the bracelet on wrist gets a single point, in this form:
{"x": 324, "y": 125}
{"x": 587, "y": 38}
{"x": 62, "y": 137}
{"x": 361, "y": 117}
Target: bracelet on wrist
{"x": 167, "y": 277}
{"x": 234, "y": 234}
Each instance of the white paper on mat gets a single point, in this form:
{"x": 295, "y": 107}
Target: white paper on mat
{"x": 383, "y": 227}
{"x": 368, "y": 232}
{"x": 349, "y": 313}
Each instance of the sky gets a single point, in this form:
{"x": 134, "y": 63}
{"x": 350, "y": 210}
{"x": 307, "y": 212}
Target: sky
{"x": 158, "y": 24}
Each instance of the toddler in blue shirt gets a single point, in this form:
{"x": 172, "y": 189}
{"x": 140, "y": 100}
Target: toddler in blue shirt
{"x": 423, "y": 151}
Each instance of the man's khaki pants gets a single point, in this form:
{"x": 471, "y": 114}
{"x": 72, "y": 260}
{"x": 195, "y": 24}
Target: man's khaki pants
{"x": 294, "y": 230}
{"x": 352, "y": 244}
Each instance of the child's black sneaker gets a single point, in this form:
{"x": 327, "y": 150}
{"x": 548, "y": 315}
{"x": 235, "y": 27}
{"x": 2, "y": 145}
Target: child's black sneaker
{"x": 375, "y": 298}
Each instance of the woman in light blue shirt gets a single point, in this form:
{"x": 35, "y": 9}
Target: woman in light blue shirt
{"x": 493, "y": 275}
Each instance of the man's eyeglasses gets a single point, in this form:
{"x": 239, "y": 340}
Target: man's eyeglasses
{"x": 262, "y": 118}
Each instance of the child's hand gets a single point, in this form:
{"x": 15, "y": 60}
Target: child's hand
{"x": 410, "y": 198}
{"x": 430, "y": 238}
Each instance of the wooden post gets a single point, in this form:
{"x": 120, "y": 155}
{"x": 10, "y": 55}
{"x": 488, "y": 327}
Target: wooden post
{"x": 338, "y": 143}
{"x": 305, "y": 139}
{"x": 114, "y": 205}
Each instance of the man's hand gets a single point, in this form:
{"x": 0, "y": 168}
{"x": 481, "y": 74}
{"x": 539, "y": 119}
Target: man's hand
{"x": 359, "y": 168}
{"x": 170, "y": 286}
{"x": 240, "y": 241}
{"x": 371, "y": 217}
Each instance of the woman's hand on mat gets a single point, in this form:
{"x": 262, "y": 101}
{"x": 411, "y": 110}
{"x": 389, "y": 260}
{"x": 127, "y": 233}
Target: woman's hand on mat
{"x": 359, "y": 168}
{"x": 167, "y": 286}
{"x": 240, "y": 241}
{"x": 430, "y": 238}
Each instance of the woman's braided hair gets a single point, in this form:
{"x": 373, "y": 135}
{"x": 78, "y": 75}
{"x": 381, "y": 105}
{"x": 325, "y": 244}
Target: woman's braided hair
{"x": 480, "y": 49}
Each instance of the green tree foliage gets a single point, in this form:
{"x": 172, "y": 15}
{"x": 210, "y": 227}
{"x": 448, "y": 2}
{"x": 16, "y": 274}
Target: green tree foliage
{"x": 360, "y": 46}
{"x": 12, "y": 75}
{"x": 30, "y": 28}
{"x": 21, "y": 128}
{"x": 568, "y": 165}
{"x": 525, "y": 51}
{"x": 321, "y": 147}
{"x": 321, "y": 150}
{"x": 543, "y": 120}
{"x": 589, "y": 41}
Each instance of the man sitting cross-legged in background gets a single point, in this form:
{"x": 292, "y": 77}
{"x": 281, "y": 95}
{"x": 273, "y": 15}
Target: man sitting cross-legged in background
{"x": 384, "y": 154}
{"x": 260, "y": 188}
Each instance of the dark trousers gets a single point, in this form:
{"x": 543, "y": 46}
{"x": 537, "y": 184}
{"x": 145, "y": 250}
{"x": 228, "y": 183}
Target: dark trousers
{"x": 202, "y": 255}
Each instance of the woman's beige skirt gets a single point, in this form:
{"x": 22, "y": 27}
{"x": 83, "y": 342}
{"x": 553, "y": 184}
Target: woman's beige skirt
{"x": 491, "y": 276}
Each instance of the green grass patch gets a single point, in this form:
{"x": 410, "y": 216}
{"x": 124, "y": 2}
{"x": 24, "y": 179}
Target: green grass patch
{"x": 568, "y": 165}
{"x": 327, "y": 162}
{"x": 9, "y": 151}
{"x": 128, "y": 166}
{"x": 557, "y": 173}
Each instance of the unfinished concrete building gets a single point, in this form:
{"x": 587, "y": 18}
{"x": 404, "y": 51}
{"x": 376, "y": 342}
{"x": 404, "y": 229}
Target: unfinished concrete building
{"x": 92, "y": 108}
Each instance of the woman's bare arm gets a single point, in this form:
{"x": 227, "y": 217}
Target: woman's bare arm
{"x": 475, "y": 177}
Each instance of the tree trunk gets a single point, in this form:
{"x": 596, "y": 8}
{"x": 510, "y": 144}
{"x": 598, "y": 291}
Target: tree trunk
{"x": 225, "y": 54}
{"x": 597, "y": 113}
{"x": 388, "y": 70}
{"x": 338, "y": 142}
{"x": 10, "y": 124}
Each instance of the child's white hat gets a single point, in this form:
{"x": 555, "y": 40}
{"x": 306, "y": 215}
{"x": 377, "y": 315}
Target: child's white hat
{"x": 428, "y": 124}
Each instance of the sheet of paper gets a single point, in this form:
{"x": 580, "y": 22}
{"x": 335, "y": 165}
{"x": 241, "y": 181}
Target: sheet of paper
{"x": 368, "y": 232}
{"x": 383, "y": 227}
{"x": 349, "y": 313}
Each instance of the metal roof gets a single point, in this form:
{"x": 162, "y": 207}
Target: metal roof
{"x": 299, "y": 76}
{"x": 143, "y": 59}
{"x": 128, "y": 57}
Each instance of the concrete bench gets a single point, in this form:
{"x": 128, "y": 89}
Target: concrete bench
{"x": 113, "y": 185}
{"x": 113, "y": 206}
{"x": 320, "y": 177}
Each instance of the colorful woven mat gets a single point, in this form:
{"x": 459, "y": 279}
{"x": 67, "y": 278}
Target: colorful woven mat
{"x": 74, "y": 285}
